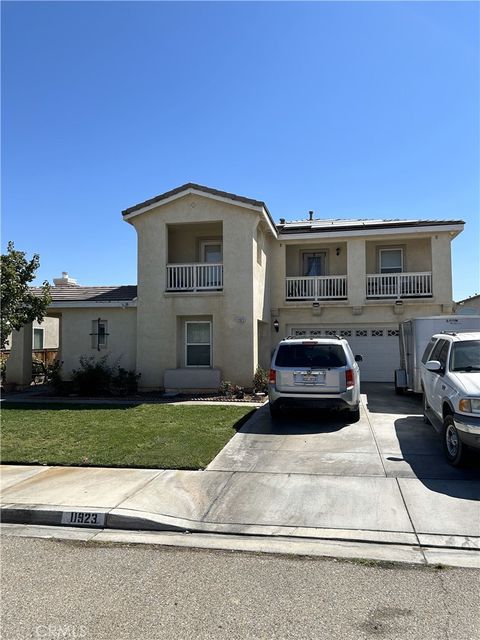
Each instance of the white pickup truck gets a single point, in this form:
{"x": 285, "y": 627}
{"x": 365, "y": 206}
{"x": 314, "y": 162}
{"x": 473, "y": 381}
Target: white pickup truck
{"x": 450, "y": 379}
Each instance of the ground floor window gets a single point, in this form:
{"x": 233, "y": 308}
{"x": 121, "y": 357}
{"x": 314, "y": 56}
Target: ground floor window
{"x": 198, "y": 344}
{"x": 38, "y": 338}
{"x": 99, "y": 334}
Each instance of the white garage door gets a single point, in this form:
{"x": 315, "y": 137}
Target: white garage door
{"x": 377, "y": 344}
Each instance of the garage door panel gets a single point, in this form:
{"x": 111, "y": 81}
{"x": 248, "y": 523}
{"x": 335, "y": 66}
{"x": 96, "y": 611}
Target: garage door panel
{"x": 378, "y": 346}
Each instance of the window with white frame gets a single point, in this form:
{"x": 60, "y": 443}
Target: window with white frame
{"x": 99, "y": 334}
{"x": 391, "y": 260}
{"x": 38, "y": 338}
{"x": 198, "y": 344}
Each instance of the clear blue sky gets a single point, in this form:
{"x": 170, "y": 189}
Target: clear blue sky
{"x": 350, "y": 109}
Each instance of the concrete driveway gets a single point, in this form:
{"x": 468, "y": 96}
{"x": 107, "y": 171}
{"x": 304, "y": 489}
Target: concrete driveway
{"x": 386, "y": 471}
{"x": 390, "y": 440}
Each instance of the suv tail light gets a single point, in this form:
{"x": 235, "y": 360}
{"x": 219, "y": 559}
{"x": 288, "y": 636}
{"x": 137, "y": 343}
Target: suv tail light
{"x": 349, "y": 378}
{"x": 272, "y": 376}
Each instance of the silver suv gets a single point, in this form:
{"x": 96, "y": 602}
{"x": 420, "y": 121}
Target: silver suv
{"x": 315, "y": 373}
{"x": 451, "y": 391}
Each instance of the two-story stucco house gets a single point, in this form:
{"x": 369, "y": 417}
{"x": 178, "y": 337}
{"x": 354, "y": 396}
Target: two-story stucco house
{"x": 219, "y": 283}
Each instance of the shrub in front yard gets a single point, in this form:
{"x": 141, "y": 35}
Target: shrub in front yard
{"x": 260, "y": 381}
{"x": 98, "y": 377}
{"x": 231, "y": 390}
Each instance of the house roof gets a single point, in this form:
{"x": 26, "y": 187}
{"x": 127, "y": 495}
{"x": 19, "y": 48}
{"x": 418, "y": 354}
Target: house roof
{"x": 321, "y": 226}
{"x": 76, "y": 293}
{"x": 475, "y": 299}
{"x": 196, "y": 187}
{"x": 293, "y": 226}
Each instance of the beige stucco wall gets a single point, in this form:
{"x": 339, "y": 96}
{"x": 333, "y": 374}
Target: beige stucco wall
{"x": 261, "y": 254}
{"x": 233, "y": 311}
{"x": 76, "y": 327}
{"x": 442, "y": 268}
{"x": 50, "y": 328}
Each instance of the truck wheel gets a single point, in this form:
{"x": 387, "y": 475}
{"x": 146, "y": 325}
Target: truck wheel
{"x": 452, "y": 445}
{"x": 398, "y": 390}
{"x": 354, "y": 415}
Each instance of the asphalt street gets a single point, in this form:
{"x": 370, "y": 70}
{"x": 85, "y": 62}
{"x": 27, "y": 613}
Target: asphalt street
{"x": 65, "y": 589}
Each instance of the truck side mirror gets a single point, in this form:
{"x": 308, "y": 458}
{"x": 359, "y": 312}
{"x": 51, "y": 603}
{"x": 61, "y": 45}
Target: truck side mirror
{"x": 358, "y": 358}
{"x": 433, "y": 365}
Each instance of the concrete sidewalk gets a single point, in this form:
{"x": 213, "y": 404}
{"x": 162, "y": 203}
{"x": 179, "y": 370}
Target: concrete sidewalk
{"x": 294, "y": 506}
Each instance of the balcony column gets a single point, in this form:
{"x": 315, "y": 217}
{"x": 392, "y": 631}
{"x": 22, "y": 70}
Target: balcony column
{"x": 356, "y": 271}
{"x": 441, "y": 269}
{"x": 18, "y": 370}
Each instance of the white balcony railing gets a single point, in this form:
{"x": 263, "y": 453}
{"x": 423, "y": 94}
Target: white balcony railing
{"x": 316, "y": 288}
{"x": 194, "y": 277}
{"x": 399, "y": 285}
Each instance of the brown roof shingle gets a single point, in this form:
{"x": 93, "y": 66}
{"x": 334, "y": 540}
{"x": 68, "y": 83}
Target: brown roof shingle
{"x": 75, "y": 293}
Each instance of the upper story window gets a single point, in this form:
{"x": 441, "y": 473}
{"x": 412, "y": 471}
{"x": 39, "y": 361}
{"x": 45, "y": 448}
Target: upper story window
{"x": 391, "y": 260}
{"x": 314, "y": 263}
{"x": 38, "y": 338}
{"x": 211, "y": 252}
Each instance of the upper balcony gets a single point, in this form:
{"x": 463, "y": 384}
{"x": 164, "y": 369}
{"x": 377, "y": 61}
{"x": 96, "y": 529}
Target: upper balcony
{"x": 384, "y": 270}
{"x": 195, "y": 257}
{"x": 401, "y": 270}
{"x": 316, "y": 273}
{"x": 399, "y": 285}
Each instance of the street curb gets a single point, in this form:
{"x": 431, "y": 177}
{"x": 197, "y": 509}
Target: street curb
{"x": 327, "y": 549}
{"x": 120, "y": 525}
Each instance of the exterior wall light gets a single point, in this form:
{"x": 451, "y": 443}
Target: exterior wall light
{"x": 276, "y": 325}
{"x": 337, "y": 251}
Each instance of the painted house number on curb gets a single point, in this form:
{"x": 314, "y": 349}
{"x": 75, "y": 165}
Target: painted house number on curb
{"x": 83, "y": 518}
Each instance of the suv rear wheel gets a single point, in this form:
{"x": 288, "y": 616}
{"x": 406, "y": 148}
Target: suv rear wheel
{"x": 452, "y": 445}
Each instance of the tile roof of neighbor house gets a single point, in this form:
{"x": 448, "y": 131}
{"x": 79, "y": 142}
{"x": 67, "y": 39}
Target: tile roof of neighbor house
{"x": 76, "y": 293}
{"x": 475, "y": 298}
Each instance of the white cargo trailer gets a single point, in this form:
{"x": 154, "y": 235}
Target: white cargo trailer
{"x": 414, "y": 336}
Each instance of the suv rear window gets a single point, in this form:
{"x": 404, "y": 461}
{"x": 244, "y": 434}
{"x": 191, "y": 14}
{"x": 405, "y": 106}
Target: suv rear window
{"x": 311, "y": 355}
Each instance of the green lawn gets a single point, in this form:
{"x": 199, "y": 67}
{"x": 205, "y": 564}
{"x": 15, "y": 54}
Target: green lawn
{"x": 155, "y": 436}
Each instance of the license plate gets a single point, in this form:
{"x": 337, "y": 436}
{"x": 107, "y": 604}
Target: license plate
{"x": 310, "y": 378}
{"x": 83, "y": 518}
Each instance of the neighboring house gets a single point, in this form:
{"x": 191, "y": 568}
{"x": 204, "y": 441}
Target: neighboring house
{"x": 44, "y": 335}
{"x": 468, "y": 307}
{"x": 217, "y": 277}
